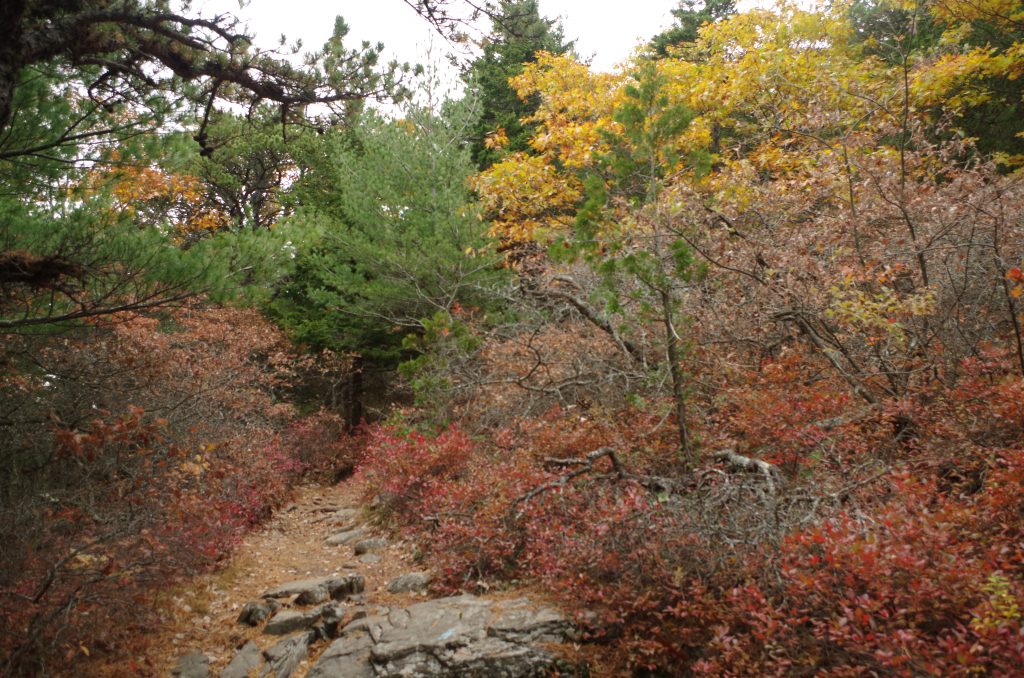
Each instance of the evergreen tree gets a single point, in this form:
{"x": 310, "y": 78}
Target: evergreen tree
{"x": 518, "y": 34}
{"x": 689, "y": 17}
{"x": 399, "y": 242}
{"x": 901, "y": 34}
{"x": 88, "y": 92}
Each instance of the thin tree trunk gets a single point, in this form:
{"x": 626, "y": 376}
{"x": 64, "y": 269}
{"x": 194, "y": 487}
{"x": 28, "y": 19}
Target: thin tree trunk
{"x": 674, "y": 355}
{"x": 355, "y": 394}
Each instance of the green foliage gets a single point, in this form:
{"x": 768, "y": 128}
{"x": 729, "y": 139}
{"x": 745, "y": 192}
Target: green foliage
{"x": 85, "y": 115}
{"x": 645, "y": 266}
{"x": 518, "y": 34}
{"x": 398, "y": 237}
{"x": 89, "y": 253}
{"x": 689, "y": 17}
{"x": 903, "y": 35}
{"x": 89, "y": 264}
{"x": 246, "y": 165}
{"x": 125, "y": 54}
{"x": 887, "y": 30}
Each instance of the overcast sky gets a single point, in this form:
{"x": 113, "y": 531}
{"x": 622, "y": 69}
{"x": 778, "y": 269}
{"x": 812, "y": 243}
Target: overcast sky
{"x": 604, "y": 30}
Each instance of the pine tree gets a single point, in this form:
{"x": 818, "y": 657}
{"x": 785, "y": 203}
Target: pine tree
{"x": 689, "y": 17}
{"x": 518, "y": 34}
{"x": 400, "y": 239}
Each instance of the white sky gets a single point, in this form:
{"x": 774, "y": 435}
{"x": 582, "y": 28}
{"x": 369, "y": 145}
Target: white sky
{"x": 606, "y": 30}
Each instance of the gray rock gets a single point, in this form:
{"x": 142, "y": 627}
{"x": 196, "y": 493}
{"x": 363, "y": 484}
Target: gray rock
{"x": 192, "y": 665}
{"x": 488, "y": 657}
{"x": 344, "y": 537}
{"x": 411, "y": 582}
{"x": 370, "y": 558}
{"x": 331, "y": 617}
{"x": 320, "y": 594}
{"x": 295, "y": 587}
{"x": 520, "y": 621}
{"x": 314, "y": 591}
{"x": 334, "y": 588}
{"x": 255, "y": 612}
{"x": 244, "y": 661}
{"x": 287, "y": 621}
{"x": 367, "y": 545}
{"x": 459, "y": 636}
{"x": 348, "y": 585}
{"x": 286, "y": 654}
{"x": 347, "y": 657}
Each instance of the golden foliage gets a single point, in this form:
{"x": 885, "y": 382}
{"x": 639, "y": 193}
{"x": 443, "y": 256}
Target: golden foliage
{"x": 174, "y": 203}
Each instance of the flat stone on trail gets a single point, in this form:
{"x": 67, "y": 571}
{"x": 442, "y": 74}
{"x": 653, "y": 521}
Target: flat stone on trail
{"x": 367, "y": 545}
{"x": 458, "y": 636}
{"x": 255, "y": 612}
{"x": 334, "y": 588}
{"x": 411, "y": 582}
{"x": 519, "y": 621}
{"x": 370, "y": 558}
{"x": 347, "y": 513}
{"x": 347, "y": 657}
{"x": 244, "y": 661}
{"x": 285, "y": 655}
{"x": 313, "y": 591}
{"x": 331, "y": 617}
{"x": 344, "y": 537}
{"x": 192, "y": 665}
{"x": 295, "y": 587}
{"x": 287, "y": 621}
{"x": 349, "y": 585}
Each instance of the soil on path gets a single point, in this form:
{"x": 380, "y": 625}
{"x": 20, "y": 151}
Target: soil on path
{"x": 200, "y": 616}
{"x": 203, "y": 616}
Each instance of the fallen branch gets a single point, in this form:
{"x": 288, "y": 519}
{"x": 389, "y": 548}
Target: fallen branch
{"x": 585, "y": 465}
{"x": 833, "y": 353}
{"x": 768, "y": 470}
{"x": 658, "y": 484}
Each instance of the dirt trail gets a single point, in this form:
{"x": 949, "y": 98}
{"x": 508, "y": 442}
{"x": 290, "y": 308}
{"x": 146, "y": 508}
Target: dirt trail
{"x": 373, "y": 633}
{"x": 291, "y": 546}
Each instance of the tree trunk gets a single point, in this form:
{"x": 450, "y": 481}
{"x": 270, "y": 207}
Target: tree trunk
{"x": 11, "y": 58}
{"x": 674, "y": 355}
{"x": 355, "y": 395}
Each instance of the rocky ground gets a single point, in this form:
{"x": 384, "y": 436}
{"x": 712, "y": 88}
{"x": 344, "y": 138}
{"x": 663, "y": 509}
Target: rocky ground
{"x": 322, "y": 594}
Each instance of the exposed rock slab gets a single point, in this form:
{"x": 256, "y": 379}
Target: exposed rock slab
{"x": 368, "y": 545}
{"x": 411, "y": 582}
{"x": 347, "y": 657}
{"x": 344, "y": 516}
{"x": 245, "y": 660}
{"x": 286, "y": 654}
{"x": 520, "y": 621}
{"x": 192, "y": 665}
{"x": 313, "y": 591}
{"x": 458, "y": 636}
{"x": 345, "y": 536}
{"x": 256, "y": 612}
{"x": 289, "y": 621}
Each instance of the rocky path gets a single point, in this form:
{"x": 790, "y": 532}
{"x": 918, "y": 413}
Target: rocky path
{"x": 321, "y": 594}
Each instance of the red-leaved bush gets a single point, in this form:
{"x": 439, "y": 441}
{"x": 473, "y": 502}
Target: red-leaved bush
{"x": 324, "y": 444}
{"x": 915, "y": 568}
{"x": 136, "y": 454}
